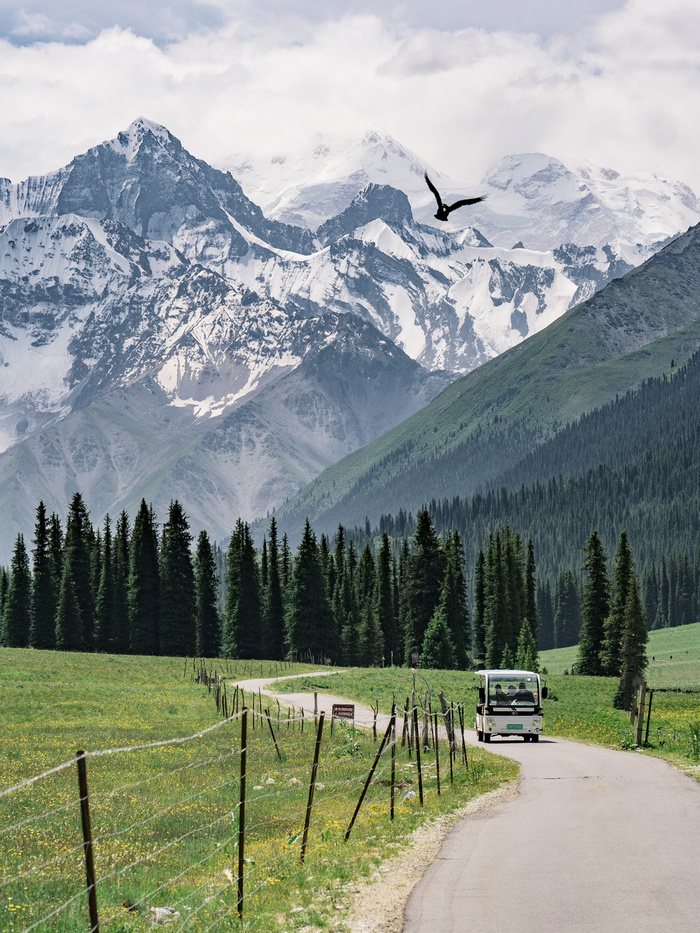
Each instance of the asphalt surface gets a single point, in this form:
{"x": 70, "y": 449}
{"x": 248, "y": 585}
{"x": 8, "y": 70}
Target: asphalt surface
{"x": 597, "y": 841}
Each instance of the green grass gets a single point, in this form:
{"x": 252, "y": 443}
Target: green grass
{"x": 164, "y": 818}
{"x": 674, "y": 658}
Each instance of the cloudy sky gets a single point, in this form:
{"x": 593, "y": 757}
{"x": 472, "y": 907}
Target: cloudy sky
{"x": 461, "y": 82}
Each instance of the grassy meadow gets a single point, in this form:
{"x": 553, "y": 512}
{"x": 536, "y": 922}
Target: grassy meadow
{"x": 165, "y": 818}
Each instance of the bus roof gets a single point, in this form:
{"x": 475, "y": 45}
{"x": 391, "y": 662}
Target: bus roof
{"x": 508, "y": 673}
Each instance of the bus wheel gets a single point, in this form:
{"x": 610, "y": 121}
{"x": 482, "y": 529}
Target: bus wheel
{"x": 535, "y": 738}
{"x": 487, "y": 736}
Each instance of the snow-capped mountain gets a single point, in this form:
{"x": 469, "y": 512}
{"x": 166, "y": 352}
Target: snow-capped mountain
{"x": 161, "y": 335}
{"x": 532, "y": 198}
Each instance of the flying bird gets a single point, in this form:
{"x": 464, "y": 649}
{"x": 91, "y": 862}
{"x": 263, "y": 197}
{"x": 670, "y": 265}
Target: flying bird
{"x": 444, "y": 210}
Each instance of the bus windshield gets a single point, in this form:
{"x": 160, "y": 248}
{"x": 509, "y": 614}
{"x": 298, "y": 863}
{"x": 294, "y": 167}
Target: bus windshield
{"x": 513, "y": 691}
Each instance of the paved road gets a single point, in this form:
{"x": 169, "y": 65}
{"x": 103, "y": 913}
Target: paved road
{"x": 598, "y": 841}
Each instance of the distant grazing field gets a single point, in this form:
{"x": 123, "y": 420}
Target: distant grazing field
{"x": 674, "y": 658}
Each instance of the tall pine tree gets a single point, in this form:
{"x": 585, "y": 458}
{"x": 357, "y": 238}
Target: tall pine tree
{"x": 596, "y": 603}
{"x": 178, "y": 601}
{"x": 77, "y": 560}
{"x": 104, "y": 606}
{"x": 623, "y": 571}
{"x": 273, "y": 603}
{"x": 208, "y": 625}
{"x": 143, "y": 588}
{"x": 308, "y": 622}
{"x": 17, "y": 611}
{"x": 633, "y": 654}
{"x": 44, "y": 588}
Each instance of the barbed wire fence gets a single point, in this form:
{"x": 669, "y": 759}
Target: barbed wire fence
{"x": 204, "y": 828}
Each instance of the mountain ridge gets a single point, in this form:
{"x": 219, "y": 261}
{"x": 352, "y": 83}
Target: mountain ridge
{"x": 488, "y": 420}
{"x": 138, "y": 266}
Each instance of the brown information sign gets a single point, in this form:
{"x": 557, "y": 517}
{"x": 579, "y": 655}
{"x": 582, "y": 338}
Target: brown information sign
{"x": 343, "y": 711}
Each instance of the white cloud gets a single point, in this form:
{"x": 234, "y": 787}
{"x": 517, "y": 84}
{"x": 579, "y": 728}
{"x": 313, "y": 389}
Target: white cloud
{"x": 621, "y": 94}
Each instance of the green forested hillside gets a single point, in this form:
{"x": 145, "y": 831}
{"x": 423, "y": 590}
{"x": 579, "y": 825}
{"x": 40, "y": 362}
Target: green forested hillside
{"x": 484, "y": 424}
{"x": 632, "y": 465}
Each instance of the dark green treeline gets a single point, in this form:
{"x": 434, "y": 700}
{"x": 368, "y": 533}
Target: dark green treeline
{"x": 143, "y": 590}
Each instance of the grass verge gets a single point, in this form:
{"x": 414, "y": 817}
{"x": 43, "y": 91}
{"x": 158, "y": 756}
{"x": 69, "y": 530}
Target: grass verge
{"x": 165, "y": 819}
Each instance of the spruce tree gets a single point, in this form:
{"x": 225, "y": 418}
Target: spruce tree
{"x": 104, "y": 606}
{"x": 178, "y": 600}
{"x": 545, "y": 611}
{"x": 633, "y": 654}
{"x": 56, "y": 553}
{"x": 69, "y": 624}
{"x": 44, "y": 588}
{"x": 286, "y": 565}
{"x": 308, "y": 621}
{"x": 402, "y": 606}
{"x": 120, "y": 639}
{"x": 243, "y": 633}
{"x": 453, "y": 599}
{"x": 479, "y": 636}
{"x": 143, "y": 588}
{"x": 17, "y": 611}
{"x": 4, "y": 587}
{"x": 596, "y": 605}
{"x": 526, "y": 657}
{"x": 365, "y": 576}
{"x": 208, "y": 624}
{"x": 77, "y": 557}
{"x": 370, "y": 640}
{"x": 350, "y": 624}
{"x": 425, "y": 572}
{"x": 612, "y": 635}
{"x": 567, "y": 612}
{"x": 531, "y": 613}
{"x": 437, "y": 650}
{"x": 384, "y": 601}
{"x": 273, "y": 604}
{"x": 495, "y": 603}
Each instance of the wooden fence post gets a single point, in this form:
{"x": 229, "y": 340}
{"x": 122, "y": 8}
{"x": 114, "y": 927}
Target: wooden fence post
{"x": 312, "y": 786}
{"x": 640, "y": 718}
{"x": 393, "y": 758}
{"x": 420, "y": 773}
{"x": 406, "y": 734}
{"x": 464, "y": 744}
{"x": 437, "y": 750}
{"x": 87, "y": 842}
{"x": 646, "y": 737}
{"x": 369, "y": 779}
{"x": 241, "y": 808}
{"x": 272, "y": 733}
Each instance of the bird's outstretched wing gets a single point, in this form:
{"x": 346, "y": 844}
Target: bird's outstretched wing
{"x": 464, "y": 202}
{"x": 433, "y": 189}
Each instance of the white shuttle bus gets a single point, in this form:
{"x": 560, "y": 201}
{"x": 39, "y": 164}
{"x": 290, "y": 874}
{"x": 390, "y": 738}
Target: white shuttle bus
{"x": 510, "y": 704}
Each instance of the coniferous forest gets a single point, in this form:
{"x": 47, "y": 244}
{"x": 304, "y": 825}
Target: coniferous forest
{"x": 488, "y": 580}
{"x": 142, "y": 588}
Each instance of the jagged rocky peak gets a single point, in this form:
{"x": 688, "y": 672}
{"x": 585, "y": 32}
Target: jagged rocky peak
{"x": 373, "y": 202}
{"x": 129, "y": 141}
{"x": 527, "y": 174}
